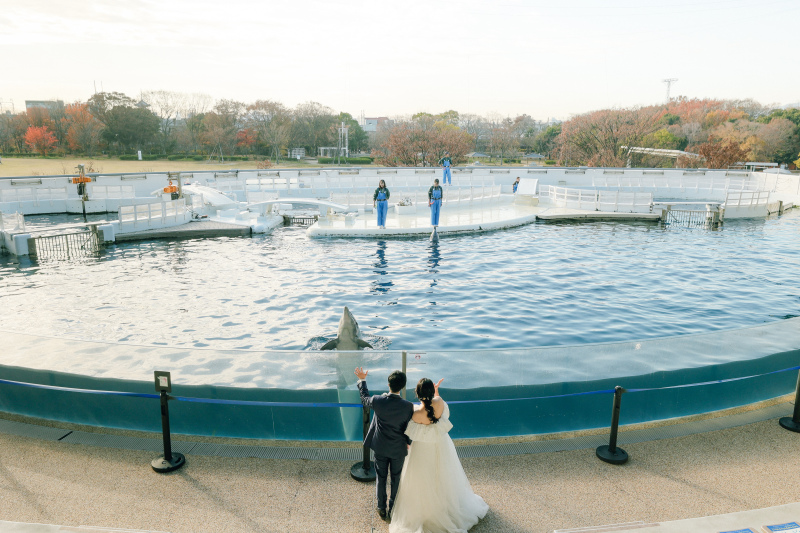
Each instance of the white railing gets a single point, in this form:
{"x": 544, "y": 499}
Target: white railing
{"x": 9, "y": 222}
{"x": 689, "y": 182}
{"x": 31, "y": 194}
{"x": 418, "y": 197}
{"x": 595, "y": 200}
{"x": 159, "y": 214}
{"x": 746, "y": 198}
{"x": 101, "y": 192}
{"x": 273, "y": 184}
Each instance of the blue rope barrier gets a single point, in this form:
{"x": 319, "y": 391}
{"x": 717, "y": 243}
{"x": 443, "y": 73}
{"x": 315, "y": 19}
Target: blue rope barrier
{"x": 84, "y": 391}
{"x": 334, "y": 404}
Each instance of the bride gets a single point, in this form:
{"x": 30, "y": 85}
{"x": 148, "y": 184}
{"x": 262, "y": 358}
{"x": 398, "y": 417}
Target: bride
{"x": 435, "y": 495}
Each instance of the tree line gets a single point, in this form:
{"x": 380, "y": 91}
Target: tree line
{"x": 723, "y": 132}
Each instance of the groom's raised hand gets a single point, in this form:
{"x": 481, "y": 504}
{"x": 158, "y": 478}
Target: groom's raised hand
{"x": 361, "y": 373}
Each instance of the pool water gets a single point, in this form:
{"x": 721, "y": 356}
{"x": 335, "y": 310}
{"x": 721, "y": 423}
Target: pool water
{"x": 539, "y": 285}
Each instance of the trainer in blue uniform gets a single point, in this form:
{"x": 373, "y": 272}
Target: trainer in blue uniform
{"x": 516, "y": 185}
{"x": 381, "y": 200}
{"x": 446, "y": 163}
{"x": 435, "y": 201}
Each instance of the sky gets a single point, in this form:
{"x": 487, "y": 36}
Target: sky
{"x": 553, "y": 58}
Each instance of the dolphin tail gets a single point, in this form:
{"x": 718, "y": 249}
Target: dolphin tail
{"x": 362, "y": 344}
{"x": 330, "y": 345}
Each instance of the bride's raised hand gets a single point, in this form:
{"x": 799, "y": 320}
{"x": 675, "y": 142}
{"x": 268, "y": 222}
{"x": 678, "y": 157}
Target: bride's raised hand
{"x": 436, "y": 387}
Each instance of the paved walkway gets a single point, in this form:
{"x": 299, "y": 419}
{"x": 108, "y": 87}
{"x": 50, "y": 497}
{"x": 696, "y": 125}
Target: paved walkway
{"x": 727, "y": 471}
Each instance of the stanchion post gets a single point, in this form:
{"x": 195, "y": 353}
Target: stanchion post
{"x": 364, "y": 470}
{"x": 612, "y": 454}
{"x": 793, "y": 423}
{"x": 169, "y": 461}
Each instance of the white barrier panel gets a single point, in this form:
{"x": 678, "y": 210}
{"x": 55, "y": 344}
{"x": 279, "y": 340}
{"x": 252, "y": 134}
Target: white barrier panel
{"x": 594, "y": 200}
{"x": 152, "y": 216}
{"x": 98, "y": 192}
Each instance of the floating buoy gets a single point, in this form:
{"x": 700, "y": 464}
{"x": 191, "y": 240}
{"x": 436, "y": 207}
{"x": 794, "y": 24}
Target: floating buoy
{"x": 170, "y": 188}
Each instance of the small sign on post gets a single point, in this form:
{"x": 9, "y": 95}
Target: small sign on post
{"x": 169, "y": 461}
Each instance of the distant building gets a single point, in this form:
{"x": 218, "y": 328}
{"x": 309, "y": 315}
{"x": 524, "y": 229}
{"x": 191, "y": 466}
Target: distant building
{"x": 371, "y": 124}
{"x": 45, "y": 104}
{"x": 297, "y": 153}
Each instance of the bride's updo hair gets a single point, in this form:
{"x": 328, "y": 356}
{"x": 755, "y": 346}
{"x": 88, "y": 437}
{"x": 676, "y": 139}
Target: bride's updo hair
{"x": 425, "y": 392}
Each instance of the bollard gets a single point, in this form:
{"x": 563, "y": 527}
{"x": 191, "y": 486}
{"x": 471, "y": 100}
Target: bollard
{"x": 793, "y": 423}
{"x": 169, "y": 461}
{"x": 364, "y": 469}
{"x": 612, "y": 454}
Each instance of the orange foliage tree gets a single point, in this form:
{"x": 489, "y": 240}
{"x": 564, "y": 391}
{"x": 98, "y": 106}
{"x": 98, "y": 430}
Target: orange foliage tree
{"x": 722, "y": 154}
{"x": 40, "y": 139}
{"x": 597, "y": 138}
{"x": 83, "y": 129}
{"x": 422, "y": 142}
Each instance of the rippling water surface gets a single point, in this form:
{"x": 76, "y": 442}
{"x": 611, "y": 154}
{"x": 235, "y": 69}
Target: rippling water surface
{"x": 542, "y": 284}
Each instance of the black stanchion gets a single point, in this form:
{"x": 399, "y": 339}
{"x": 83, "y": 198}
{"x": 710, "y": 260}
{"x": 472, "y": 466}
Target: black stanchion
{"x": 793, "y": 423}
{"x": 612, "y": 454}
{"x": 169, "y": 461}
{"x": 364, "y": 470}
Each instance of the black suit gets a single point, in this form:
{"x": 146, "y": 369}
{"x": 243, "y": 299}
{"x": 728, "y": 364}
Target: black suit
{"x": 387, "y": 438}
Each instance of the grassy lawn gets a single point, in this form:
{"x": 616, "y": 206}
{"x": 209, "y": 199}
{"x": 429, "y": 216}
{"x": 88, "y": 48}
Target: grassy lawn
{"x": 38, "y": 166}
{"x": 35, "y": 166}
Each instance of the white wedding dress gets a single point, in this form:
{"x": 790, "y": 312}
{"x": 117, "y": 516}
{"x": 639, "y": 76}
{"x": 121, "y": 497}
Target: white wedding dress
{"x": 435, "y": 495}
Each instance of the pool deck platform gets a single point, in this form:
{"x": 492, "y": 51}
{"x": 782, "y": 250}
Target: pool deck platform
{"x": 458, "y": 219}
{"x": 721, "y": 480}
{"x": 197, "y": 229}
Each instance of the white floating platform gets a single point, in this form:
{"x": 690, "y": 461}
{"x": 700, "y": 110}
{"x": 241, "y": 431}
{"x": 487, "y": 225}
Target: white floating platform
{"x": 454, "y": 219}
{"x": 564, "y": 213}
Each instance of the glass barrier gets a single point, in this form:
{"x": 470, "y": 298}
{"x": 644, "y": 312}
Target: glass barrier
{"x": 312, "y": 395}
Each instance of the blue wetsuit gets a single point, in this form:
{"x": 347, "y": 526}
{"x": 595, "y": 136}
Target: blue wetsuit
{"x": 381, "y": 197}
{"x": 446, "y": 175}
{"x": 435, "y": 200}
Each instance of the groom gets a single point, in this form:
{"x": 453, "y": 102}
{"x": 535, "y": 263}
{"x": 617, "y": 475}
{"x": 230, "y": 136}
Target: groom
{"x": 386, "y": 435}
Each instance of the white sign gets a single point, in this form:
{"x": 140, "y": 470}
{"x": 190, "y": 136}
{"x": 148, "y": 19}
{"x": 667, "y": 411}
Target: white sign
{"x": 140, "y": 155}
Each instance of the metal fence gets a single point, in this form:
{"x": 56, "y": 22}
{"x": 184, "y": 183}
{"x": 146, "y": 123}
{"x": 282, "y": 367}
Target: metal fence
{"x": 65, "y": 246}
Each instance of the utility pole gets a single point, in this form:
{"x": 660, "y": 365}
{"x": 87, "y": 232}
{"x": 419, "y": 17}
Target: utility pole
{"x": 669, "y": 82}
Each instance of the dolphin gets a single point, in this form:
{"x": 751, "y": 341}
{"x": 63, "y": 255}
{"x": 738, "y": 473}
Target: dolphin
{"x": 435, "y": 235}
{"x": 348, "y": 335}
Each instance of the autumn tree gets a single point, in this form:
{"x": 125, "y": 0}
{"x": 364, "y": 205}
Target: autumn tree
{"x": 422, "y": 142}
{"x": 721, "y": 154}
{"x": 245, "y": 139}
{"x": 313, "y": 126}
{"x": 597, "y": 138}
{"x": 83, "y": 129}
{"x": 273, "y": 123}
{"x": 40, "y": 139}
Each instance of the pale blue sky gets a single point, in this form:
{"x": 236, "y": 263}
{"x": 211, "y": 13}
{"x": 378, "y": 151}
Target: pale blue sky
{"x": 544, "y": 58}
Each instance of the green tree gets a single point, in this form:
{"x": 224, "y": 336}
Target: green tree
{"x": 545, "y": 141}
{"x": 130, "y": 128}
{"x": 356, "y": 136}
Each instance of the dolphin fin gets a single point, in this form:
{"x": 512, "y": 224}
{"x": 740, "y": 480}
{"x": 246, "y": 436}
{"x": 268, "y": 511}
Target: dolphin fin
{"x": 330, "y": 345}
{"x": 362, "y": 344}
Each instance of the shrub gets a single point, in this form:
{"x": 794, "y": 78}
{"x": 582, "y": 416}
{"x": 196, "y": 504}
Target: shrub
{"x": 549, "y": 162}
{"x": 198, "y": 157}
{"x": 128, "y": 157}
{"x": 347, "y": 161}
